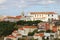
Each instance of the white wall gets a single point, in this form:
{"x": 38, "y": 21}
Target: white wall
{"x": 40, "y": 16}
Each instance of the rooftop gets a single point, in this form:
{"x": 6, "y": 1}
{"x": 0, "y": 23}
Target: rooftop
{"x": 42, "y": 12}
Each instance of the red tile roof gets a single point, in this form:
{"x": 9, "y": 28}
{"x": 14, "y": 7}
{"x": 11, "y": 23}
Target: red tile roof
{"x": 33, "y": 27}
{"x": 11, "y": 36}
{"x": 54, "y": 29}
{"x": 40, "y": 34}
{"x": 42, "y": 13}
{"x": 21, "y": 29}
{"x": 30, "y": 27}
{"x": 26, "y": 26}
{"x": 12, "y": 17}
{"x": 18, "y": 17}
{"x": 47, "y": 25}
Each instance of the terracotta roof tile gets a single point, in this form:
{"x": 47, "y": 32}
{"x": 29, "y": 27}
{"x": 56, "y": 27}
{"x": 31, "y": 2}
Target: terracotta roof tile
{"x": 30, "y": 27}
{"x": 33, "y": 27}
{"x": 21, "y": 29}
{"x": 26, "y": 26}
{"x": 18, "y": 17}
{"x": 11, "y": 17}
{"x": 42, "y": 13}
{"x": 40, "y": 34}
{"x": 11, "y": 36}
{"x": 54, "y": 28}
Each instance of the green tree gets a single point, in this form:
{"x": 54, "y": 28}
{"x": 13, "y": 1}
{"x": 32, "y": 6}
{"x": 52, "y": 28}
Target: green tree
{"x": 49, "y": 31}
{"x": 22, "y": 22}
{"x": 7, "y": 28}
{"x": 32, "y": 33}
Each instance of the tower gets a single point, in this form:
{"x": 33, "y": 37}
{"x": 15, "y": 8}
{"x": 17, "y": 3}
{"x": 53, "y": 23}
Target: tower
{"x": 22, "y": 13}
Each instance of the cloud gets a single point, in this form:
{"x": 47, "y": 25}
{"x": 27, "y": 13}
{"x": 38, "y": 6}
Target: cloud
{"x": 46, "y": 2}
{"x": 25, "y": 3}
{"x": 42, "y": 2}
{"x": 38, "y": 2}
{"x": 19, "y": 4}
{"x": 2, "y": 1}
{"x": 51, "y": 1}
{"x": 2, "y": 7}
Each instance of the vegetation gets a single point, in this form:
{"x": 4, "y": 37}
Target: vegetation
{"x": 22, "y": 22}
{"x": 32, "y": 33}
{"x": 6, "y": 28}
{"x": 49, "y": 31}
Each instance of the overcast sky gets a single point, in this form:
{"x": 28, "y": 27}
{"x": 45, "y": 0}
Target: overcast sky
{"x": 15, "y": 7}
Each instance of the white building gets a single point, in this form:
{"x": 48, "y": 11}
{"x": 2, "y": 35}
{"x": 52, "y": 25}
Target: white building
{"x": 2, "y": 17}
{"x": 14, "y": 36}
{"x": 12, "y": 18}
{"x": 44, "y": 16}
{"x": 10, "y": 37}
{"x": 38, "y": 36}
{"x": 26, "y": 29}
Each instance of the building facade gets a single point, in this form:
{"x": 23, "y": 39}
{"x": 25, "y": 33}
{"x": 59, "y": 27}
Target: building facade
{"x": 44, "y": 16}
{"x": 12, "y": 18}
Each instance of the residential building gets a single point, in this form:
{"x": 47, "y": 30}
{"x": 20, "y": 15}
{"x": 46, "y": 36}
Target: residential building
{"x": 54, "y": 29}
{"x": 26, "y": 29}
{"x": 59, "y": 17}
{"x": 38, "y": 36}
{"x": 14, "y": 36}
{"x": 26, "y": 18}
{"x": 49, "y": 36}
{"x": 10, "y": 37}
{"x": 2, "y": 18}
{"x": 44, "y": 16}
{"x": 51, "y": 26}
{"x": 58, "y": 28}
{"x": 12, "y": 18}
{"x": 43, "y": 26}
{"x": 21, "y": 31}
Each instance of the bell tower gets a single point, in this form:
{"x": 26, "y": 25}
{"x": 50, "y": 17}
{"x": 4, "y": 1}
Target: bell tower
{"x": 22, "y": 13}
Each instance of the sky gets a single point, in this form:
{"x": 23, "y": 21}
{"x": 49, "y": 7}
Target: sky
{"x": 15, "y": 7}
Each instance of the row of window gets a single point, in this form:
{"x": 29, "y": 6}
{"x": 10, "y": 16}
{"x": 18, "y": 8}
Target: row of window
{"x": 50, "y": 15}
{"x": 43, "y": 15}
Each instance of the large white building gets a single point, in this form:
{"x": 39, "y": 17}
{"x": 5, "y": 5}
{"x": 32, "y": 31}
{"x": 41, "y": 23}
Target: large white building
{"x": 44, "y": 16}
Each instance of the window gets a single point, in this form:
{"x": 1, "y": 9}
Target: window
{"x": 35, "y": 15}
{"x": 48, "y": 19}
{"x": 52, "y": 14}
{"x": 48, "y": 14}
{"x": 52, "y": 19}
